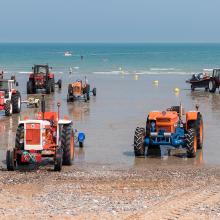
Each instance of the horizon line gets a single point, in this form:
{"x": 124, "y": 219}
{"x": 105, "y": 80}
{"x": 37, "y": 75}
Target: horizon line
{"x": 109, "y": 42}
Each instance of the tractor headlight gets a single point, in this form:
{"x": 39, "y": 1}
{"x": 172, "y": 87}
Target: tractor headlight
{"x": 153, "y": 125}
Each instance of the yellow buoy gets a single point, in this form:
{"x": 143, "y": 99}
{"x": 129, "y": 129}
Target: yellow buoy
{"x": 136, "y": 77}
{"x": 176, "y": 90}
{"x": 156, "y": 82}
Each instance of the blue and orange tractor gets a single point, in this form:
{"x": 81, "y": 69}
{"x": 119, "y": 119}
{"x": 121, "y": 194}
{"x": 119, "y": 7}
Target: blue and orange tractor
{"x": 171, "y": 128}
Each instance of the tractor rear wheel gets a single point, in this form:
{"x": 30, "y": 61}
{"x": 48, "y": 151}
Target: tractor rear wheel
{"x": 52, "y": 85}
{"x": 191, "y": 143}
{"x": 58, "y": 159}
{"x": 139, "y": 148}
{"x": 87, "y": 91}
{"x": 212, "y": 86}
{"x": 67, "y": 142}
{"x": 70, "y": 89}
{"x": 8, "y": 108}
{"x": 30, "y": 88}
{"x": 94, "y": 91}
{"x": 10, "y": 161}
{"x": 48, "y": 86}
{"x": 199, "y": 131}
{"x": 19, "y": 141}
{"x": 16, "y": 102}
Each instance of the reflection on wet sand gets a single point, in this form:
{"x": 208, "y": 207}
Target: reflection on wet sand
{"x": 78, "y": 110}
{"x": 161, "y": 156}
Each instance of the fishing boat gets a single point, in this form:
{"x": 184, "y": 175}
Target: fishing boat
{"x": 200, "y": 80}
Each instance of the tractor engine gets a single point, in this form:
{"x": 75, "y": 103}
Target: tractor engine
{"x": 39, "y": 80}
{"x": 164, "y": 128}
{"x": 77, "y": 88}
{"x": 167, "y": 122}
{"x": 39, "y": 135}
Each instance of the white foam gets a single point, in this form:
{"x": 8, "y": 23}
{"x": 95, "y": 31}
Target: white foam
{"x": 162, "y": 69}
{"x": 143, "y": 73}
{"x": 24, "y": 72}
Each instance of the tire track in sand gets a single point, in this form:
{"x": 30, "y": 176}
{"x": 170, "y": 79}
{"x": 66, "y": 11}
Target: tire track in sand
{"x": 181, "y": 206}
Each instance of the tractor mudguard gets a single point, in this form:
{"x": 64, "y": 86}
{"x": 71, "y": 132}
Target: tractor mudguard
{"x": 153, "y": 115}
{"x": 51, "y": 75}
{"x": 191, "y": 117}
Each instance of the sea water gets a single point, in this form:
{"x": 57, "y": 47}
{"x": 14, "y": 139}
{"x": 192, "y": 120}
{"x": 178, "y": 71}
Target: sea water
{"x": 94, "y": 58}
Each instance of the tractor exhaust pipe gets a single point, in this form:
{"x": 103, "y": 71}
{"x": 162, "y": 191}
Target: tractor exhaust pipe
{"x": 58, "y": 110}
{"x": 43, "y": 106}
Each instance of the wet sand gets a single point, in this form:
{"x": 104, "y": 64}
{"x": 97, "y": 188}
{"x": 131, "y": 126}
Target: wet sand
{"x": 105, "y": 173}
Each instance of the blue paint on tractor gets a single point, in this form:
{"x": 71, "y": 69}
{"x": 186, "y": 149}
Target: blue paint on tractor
{"x": 176, "y": 139}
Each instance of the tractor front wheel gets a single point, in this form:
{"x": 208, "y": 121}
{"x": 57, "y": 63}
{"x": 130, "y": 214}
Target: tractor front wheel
{"x": 8, "y": 108}
{"x": 48, "y": 87}
{"x": 29, "y": 87}
{"x": 67, "y": 143}
{"x": 10, "y": 160}
{"x": 191, "y": 143}
{"x": 58, "y": 160}
{"x": 139, "y": 148}
{"x": 94, "y": 91}
{"x": 16, "y": 102}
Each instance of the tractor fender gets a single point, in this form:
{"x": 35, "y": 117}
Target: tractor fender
{"x": 31, "y": 76}
{"x": 64, "y": 122}
{"x": 153, "y": 115}
{"x": 191, "y": 116}
{"x": 13, "y": 91}
{"x": 51, "y": 75}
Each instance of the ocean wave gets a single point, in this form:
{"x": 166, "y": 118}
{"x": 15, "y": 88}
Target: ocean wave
{"x": 24, "y": 72}
{"x": 162, "y": 69}
{"x": 116, "y": 72}
{"x": 143, "y": 73}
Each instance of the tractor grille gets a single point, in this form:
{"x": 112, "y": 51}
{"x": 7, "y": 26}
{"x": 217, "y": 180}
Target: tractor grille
{"x": 33, "y": 133}
{"x": 163, "y": 120}
{"x": 165, "y": 128}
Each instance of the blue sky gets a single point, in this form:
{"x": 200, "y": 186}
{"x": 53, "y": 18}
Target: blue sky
{"x": 109, "y": 21}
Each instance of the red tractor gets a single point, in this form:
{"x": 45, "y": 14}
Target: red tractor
{"x": 45, "y": 137}
{"x": 169, "y": 128}
{"x": 42, "y": 78}
{"x": 10, "y": 98}
{"x": 79, "y": 90}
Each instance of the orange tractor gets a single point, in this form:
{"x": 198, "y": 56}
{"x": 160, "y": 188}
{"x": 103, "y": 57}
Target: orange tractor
{"x": 79, "y": 90}
{"x": 169, "y": 128}
{"x": 45, "y": 137}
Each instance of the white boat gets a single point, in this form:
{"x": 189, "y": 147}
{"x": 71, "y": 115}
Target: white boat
{"x": 67, "y": 54}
